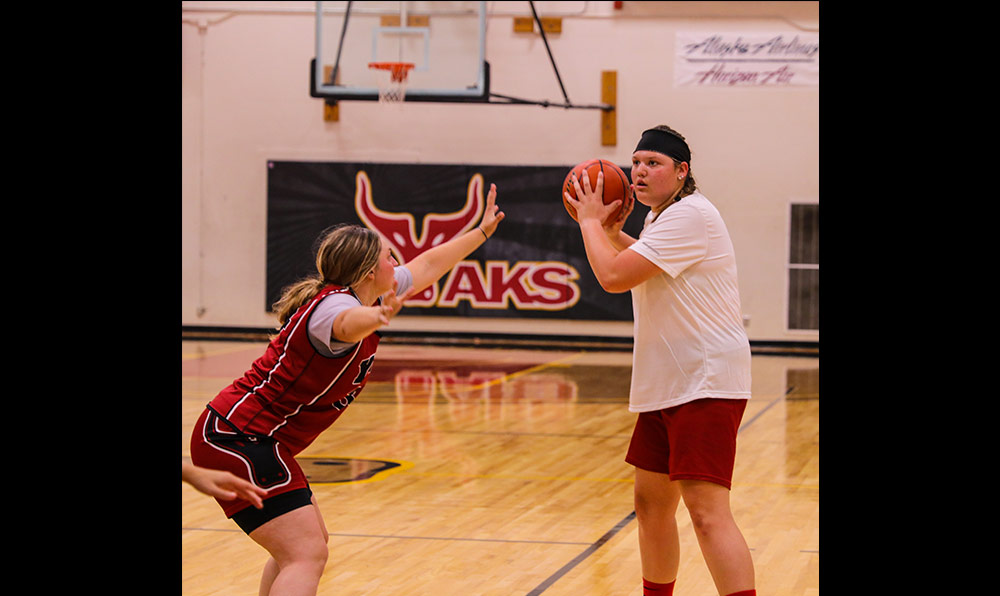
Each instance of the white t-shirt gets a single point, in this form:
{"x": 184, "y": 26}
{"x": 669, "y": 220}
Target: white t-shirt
{"x": 321, "y": 320}
{"x": 689, "y": 338}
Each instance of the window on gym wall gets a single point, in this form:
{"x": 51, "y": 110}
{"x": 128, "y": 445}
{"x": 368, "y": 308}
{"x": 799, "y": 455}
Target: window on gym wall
{"x": 803, "y": 268}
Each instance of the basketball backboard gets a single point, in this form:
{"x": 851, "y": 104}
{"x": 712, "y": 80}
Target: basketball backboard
{"x": 444, "y": 41}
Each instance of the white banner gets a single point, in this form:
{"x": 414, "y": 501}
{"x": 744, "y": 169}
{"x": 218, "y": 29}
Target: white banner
{"x": 746, "y": 60}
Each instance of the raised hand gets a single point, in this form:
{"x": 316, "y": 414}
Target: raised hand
{"x": 492, "y": 216}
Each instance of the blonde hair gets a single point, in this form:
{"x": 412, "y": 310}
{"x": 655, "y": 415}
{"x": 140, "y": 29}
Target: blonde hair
{"x": 345, "y": 254}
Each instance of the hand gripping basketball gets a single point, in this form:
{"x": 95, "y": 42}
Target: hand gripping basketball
{"x": 616, "y": 186}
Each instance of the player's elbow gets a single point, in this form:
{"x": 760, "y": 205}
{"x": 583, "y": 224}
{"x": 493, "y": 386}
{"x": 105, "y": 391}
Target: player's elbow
{"x": 613, "y": 284}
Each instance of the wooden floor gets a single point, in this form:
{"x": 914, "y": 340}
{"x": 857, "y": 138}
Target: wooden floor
{"x": 474, "y": 472}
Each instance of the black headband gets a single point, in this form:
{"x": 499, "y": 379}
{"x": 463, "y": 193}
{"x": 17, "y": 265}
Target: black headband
{"x": 663, "y": 142}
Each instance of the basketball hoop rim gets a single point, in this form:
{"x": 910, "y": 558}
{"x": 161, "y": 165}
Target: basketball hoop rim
{"x": 398, "y": 70}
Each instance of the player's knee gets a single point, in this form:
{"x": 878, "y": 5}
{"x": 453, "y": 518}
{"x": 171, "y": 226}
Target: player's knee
{"x": 314, "y": 555}
{"x": 307, "y": 551}
{"x": 643, "y": 503}
{"x": 649, "y": 504}
{"x": 322, "y": 554}
{"x": 701, "y": 521}
{"x": 708, "y": 520}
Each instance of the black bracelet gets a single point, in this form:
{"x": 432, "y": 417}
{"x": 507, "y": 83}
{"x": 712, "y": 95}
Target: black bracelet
{"x": 484, "y": 232}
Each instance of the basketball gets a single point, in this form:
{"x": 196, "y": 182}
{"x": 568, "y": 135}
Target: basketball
{"x": 616, "y": 183}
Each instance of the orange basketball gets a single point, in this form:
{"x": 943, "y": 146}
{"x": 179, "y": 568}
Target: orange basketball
{"x": 616, "y": 183}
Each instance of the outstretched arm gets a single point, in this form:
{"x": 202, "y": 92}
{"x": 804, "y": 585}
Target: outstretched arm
{"x": 431, "y": 264}
{"x": 355, "y": 324}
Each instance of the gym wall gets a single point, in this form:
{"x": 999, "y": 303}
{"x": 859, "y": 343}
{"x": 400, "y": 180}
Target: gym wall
{"x": 245, "y": 105}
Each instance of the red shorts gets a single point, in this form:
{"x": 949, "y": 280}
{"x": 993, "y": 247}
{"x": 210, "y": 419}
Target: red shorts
{"x": 692, "y": 441}
{"x": 260, "y": 459}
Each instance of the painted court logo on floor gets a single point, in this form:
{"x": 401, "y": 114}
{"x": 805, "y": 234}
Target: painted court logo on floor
{"x": 336, "y": 470}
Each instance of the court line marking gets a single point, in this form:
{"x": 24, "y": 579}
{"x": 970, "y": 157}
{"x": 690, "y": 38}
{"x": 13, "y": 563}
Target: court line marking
{"x": 584, "y": 478}
{"x": 580, "y": 557}
{"x": 395, "y": 394}
{"x": 756, "y": 416}
{"x": 453, "y": 539}
{"x": 477, "y": 432}
{"x": 404, "y": 537}
{"x": 775, "y": 485}
{"x": 216, "y": 352}
{"x": 527, "y": 371}
{"x": 521, "y": 477}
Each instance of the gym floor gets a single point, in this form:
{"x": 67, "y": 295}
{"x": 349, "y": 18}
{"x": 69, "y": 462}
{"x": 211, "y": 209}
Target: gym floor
{"x": 500, "y": 472}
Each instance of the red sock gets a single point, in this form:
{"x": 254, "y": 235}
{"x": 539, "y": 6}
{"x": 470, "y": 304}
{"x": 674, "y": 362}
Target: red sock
{"x": 654, "y": 589}
{"x": 744, "y": 593}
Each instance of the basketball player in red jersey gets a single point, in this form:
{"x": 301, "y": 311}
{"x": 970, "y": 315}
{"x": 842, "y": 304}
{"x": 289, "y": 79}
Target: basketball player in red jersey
{"x": 308, "y": 375}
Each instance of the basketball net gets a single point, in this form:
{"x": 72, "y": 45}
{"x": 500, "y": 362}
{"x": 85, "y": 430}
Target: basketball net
{"x": 391, "y": 80}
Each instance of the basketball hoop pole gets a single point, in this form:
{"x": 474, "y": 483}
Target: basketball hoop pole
{"x": 549, "y": 52}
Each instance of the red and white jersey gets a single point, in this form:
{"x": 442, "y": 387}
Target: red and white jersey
{"x": 293, "y": 392}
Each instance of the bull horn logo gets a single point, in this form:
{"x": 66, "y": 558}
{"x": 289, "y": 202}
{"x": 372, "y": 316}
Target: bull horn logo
{"x": 400, "y": 229}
